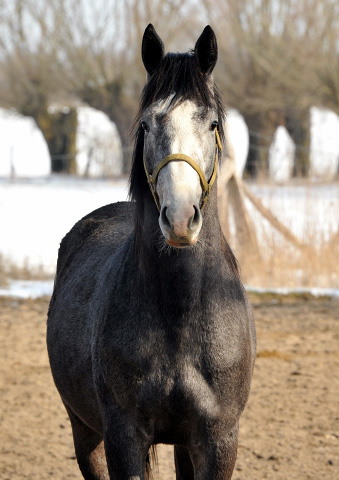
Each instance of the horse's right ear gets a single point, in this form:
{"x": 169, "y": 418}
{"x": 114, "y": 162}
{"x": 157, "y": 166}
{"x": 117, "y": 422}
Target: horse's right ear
{"x": 152, "y": 50}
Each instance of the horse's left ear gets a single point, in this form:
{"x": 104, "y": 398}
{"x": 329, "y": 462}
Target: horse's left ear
{"x": 152, "y": 50}
{"x": 206, "y": 51}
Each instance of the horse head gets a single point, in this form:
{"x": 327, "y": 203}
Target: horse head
{"x": 180, "y": 126}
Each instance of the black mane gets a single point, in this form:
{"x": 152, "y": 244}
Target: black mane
{"x": 179, "y": 74}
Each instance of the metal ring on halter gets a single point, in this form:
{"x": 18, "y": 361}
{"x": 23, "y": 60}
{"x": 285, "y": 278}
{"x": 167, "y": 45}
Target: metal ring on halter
{"x": 176, "y": 157}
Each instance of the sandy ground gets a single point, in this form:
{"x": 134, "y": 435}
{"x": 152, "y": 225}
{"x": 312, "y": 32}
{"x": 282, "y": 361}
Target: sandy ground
{"x": 290, "y": 429}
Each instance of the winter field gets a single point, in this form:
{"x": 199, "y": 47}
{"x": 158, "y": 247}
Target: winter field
{"x": 35, "y": 214}
{"x": 37, "y": 209}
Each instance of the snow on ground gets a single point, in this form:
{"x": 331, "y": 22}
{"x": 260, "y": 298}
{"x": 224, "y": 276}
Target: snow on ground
{"x": 27, "y": 289}
{"x": 310, "y": 212}
{"x": 315, "y": 292}
{"x": 281, "y": 156}
{"x": 324, "y": 143}
{"x": 35, "y": 215}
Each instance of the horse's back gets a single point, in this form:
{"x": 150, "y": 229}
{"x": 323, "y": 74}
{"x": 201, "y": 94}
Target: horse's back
{"x": 106, "y": 228}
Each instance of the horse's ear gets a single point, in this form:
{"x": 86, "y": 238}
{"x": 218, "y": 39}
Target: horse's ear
{"x": 206, "y": 51}
{"x": 152, "y": 50}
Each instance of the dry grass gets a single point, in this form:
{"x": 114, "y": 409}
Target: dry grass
{"x": 9, "y": 270}
{"x": 308, "y": 260}
{"x": 282, "y": 264}
{"x": 290, "y": 267}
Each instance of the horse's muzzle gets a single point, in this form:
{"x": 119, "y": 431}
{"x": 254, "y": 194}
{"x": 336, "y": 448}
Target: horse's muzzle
{"x": 180, "y": 227}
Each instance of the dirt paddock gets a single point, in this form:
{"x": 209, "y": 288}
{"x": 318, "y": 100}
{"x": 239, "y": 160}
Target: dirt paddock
{"x": 290, "y": 429}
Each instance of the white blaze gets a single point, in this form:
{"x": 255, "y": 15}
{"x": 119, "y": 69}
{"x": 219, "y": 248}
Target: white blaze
{"x": 178, "y": 182}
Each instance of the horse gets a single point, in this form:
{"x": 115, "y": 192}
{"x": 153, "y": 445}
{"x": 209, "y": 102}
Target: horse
{"x": 150, "y": 334}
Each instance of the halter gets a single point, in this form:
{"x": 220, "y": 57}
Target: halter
{"x": 176, "y": 157}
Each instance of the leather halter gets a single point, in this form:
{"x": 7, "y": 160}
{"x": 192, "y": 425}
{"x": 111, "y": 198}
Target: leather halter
{"x": 176, "y": 157}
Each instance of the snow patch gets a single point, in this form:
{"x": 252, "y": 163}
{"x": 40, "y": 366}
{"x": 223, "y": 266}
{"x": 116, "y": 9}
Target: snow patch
{"x": 27, "y": 289}
{"x": 310, "y": 212}
{"x": 314, "y": 291}
{"x": 36, "y": 215}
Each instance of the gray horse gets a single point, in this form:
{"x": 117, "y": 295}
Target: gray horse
{"x": 150, "y": 334}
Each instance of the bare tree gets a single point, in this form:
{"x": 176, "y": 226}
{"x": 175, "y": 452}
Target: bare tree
{"x": 68, "y": 51}
{"x": 102, "y": 57}
{"x": 278, "y": 57}
{"x": 31, "y": 78}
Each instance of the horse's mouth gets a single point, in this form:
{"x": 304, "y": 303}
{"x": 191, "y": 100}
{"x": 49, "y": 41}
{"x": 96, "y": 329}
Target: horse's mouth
{"x": 178, "y": 243}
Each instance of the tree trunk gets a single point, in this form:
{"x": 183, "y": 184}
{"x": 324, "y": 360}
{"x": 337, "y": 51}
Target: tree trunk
{"x": 298, "y": 126}
{"x": 254, "y": 157}
{"x": 59, "y": 130}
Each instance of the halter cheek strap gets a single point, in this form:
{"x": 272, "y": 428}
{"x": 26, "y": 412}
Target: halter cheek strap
{"x": 176, "y": 157}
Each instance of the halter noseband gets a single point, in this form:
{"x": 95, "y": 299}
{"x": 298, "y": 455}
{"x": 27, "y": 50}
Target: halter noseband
{"x": 176, "y": 157}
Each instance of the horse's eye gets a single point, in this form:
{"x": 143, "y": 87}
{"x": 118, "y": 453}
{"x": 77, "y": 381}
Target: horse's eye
{"x": 214, "y": 125}
{"x": 145, "y": 126}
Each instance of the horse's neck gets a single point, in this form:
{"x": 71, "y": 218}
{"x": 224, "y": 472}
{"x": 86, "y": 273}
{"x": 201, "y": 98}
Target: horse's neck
{"x": 182, "y": 274}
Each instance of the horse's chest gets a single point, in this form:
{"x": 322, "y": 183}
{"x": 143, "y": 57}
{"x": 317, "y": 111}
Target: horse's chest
{"x": 177, "y": 377}
{"x": 167, "y": 394}
{"x": 169, "y": 378}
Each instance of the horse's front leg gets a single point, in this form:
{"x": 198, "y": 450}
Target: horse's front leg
{"x": 125, "y": 438}
{"x": 214, "y": 458}
{"x": 126, "y": 449}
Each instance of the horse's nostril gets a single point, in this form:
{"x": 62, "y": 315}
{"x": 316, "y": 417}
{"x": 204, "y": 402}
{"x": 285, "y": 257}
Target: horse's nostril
{"x": 194, "y": 221}
{"x": 164, "y": 218}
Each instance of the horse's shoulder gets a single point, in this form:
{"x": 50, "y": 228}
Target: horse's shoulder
{"x": 108, "y": 223}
